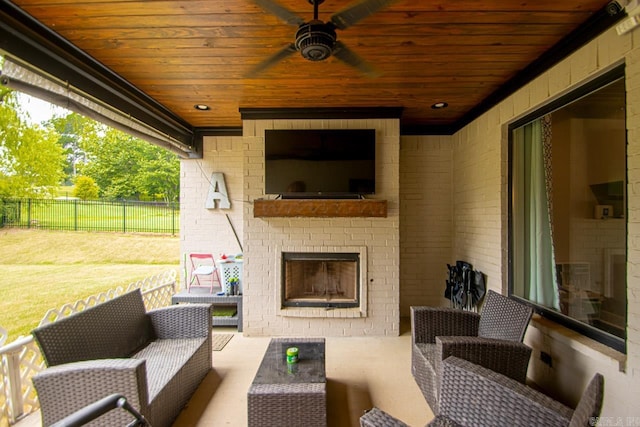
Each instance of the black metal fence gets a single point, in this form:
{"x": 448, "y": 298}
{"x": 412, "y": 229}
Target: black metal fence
{"x": 91, "y": 215}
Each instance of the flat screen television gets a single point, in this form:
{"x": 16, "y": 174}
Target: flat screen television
{"x": 320, "y": 163}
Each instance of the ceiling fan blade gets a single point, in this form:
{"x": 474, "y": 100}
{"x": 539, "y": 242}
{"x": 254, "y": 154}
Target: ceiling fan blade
{"x": 358, "y": 12}
{"x": 272, "y": 60}
{"x": 280, "y": 11}
{"x": 346, "y": 55}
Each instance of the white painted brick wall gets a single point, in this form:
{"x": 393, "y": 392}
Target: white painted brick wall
{"x": 478, "y": 198}
{"x": 208, "y": 230}
{"x": 264, "y": 236}
{"x": 425, "y": 219}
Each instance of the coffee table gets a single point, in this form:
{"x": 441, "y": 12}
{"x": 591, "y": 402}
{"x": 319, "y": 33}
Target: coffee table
{"x": 290, "y": 394}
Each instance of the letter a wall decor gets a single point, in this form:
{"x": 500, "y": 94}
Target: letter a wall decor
{"x": 217, "y": 191}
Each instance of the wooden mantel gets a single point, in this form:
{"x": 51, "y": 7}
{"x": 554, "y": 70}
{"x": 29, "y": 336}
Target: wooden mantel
{"x": 319, "y": 208}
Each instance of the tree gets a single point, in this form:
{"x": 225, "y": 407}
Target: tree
{"x": 85, "y": 188}
{"x": 159, "y": 175}
{"x": 73, "y": 128}
{"x": 32, "y": 158}
{"x": 31, "y": 161}
{"x": 125, "y": 167}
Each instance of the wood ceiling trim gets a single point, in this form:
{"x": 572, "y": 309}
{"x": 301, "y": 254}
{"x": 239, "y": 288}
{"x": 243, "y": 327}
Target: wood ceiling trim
{"x": 348, "y": 113}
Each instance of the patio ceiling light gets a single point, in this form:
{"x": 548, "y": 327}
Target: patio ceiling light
{"x": 439, "y": 105}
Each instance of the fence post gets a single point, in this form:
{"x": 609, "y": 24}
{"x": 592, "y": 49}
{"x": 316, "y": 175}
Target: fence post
{"x": 28, "y": 213}
{"x": 75, "y": 215}
{"x": 124, "y": 216}
{"x": 173, "y": 218}
{"x": 16, "y": 404}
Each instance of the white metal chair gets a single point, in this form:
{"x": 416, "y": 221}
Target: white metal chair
{"x": 203, "y": 272}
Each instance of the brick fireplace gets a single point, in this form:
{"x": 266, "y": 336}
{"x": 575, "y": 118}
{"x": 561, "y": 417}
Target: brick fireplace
{"x": 373, "y": 307}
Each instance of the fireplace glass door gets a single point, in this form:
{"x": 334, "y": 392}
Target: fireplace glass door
{"x": 328, "y": 280}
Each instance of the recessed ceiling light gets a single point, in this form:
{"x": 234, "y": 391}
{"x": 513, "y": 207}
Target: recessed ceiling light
{"x": 439, "y": 105}
{"x": 202, "y": 107}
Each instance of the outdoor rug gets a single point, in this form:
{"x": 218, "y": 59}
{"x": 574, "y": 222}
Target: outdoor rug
{"x": 220, "y": 340}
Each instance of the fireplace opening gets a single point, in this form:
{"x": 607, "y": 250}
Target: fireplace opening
{"x": 330, "y": 280}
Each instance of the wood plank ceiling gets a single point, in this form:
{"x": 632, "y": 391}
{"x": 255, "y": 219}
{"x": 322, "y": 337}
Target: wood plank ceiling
{"x": 183, "y": 53}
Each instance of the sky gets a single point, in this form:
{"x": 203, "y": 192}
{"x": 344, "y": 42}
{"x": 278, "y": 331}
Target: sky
{"x": 38, "y": 110}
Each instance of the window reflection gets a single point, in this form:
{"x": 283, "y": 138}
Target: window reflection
{"x": 568, "y": 226}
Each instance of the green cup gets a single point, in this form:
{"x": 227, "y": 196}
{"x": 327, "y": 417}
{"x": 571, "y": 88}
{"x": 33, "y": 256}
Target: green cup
{"x": 292, "y": 355}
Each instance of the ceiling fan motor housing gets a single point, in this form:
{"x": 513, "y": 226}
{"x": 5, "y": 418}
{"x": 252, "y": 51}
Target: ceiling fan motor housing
{"x": 315, "y": 40}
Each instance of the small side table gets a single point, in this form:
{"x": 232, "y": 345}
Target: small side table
{"x": 202, "y": 295}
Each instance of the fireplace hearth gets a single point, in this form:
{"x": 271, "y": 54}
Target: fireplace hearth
{"x": 330, "y": 280}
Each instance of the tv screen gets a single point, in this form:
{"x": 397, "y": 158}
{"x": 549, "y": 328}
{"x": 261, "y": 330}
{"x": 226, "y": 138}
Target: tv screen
{"x": 320, "y": 162}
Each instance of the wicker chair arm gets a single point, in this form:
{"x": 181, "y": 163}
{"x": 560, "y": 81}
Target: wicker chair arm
{"x": 66, "y": 388}
{"x": 182, "y": 321}
{"x": 429, "y": 322}
{"x": 506, "y": 357}
{"x": 475, "y": 396}
{"x": 376, "y": 417}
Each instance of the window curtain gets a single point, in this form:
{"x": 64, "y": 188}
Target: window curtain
{"x": 533, "y": 249}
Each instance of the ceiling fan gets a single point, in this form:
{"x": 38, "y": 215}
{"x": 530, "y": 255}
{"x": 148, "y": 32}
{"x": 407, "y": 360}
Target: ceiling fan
{"x": 317, "y": 40}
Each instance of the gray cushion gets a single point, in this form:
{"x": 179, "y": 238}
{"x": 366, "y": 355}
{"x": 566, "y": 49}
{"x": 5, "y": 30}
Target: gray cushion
{"x": 164, "y": 358}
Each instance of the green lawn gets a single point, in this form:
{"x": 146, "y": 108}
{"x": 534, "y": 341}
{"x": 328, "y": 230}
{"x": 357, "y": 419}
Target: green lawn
{"x": 65, "y": 191}
{"x": 46, "y": 269}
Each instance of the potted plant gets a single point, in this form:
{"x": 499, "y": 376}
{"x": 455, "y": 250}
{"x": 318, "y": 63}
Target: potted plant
{"x": 232, "y": 285}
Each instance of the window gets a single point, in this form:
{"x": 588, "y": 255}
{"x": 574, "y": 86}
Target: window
{"x": 567, "y": 210}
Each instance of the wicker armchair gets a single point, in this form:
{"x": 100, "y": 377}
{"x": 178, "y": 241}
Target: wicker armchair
{"x": 492, "y": 339}
{"x": 474, "y": 396}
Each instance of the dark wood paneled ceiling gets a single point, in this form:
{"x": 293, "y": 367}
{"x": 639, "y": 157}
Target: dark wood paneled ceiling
{"x": 183, "y": 53}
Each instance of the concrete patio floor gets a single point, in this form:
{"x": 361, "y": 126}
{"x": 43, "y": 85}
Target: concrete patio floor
{"x": 361, "y": 372}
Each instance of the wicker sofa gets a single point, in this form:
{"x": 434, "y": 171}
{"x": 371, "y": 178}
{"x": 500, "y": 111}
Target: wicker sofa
{"x": 155, "y": 359}
{"x": 492, "y": 339}
{"x": 475, "y": 396}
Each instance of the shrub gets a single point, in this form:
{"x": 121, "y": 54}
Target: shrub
{"x": 86, "y": 188}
